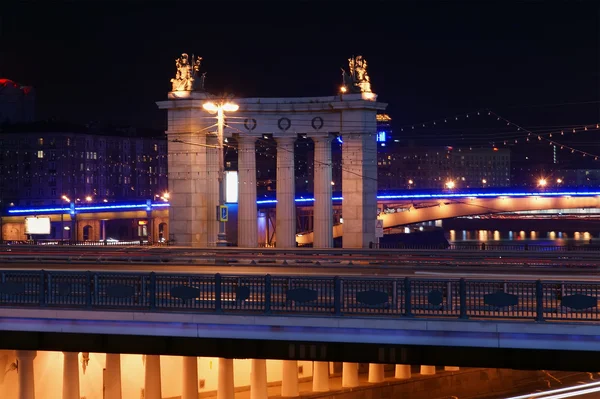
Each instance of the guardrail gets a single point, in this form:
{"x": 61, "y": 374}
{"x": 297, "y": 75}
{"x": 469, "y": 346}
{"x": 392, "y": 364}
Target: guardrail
{"x": 293, "y": 295}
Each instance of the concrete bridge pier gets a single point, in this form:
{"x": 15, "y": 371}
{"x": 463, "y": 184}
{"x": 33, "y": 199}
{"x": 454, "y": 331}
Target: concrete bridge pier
{"x": 26, "y": 378}
{"x": 402, "y": 372}
{"x": 112, "y": 376}
{"x": 190, "y": 377}
{"x": 350, "y": 375}
{"x": 70, "y": 388}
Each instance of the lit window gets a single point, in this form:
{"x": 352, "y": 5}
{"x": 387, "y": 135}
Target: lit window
{"x": 41, "y": 141}
{"x": 40, "y": 154}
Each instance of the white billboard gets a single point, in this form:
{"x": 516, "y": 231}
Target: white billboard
{"x": 37, "y": 225}
{"x": 231, "y": 187}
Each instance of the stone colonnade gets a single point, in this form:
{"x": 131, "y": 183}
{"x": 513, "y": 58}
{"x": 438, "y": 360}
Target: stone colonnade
{"x": 192, "y": 161}
{"x": 113, "y": 376}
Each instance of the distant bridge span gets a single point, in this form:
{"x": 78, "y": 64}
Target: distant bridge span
{"x": 416, "y": 209}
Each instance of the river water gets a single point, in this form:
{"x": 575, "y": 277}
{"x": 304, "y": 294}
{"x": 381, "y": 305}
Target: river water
{"x": 497, "y": 237}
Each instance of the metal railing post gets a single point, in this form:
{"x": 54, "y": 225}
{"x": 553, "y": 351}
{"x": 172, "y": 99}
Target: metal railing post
{"x": 407, "y": 298}
{"x": 539, "y": 301}
{"x": 218, "y": 304}
{"x": 88, "y": 289}
{"x": 337, "y": 296}
{"x": 42, "y": 288}
{"x": 152, "y": 291}
{"x": 268, "y": 292}
{"x": 462, "y": 293}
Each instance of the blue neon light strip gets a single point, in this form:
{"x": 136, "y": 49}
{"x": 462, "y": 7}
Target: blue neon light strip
{"x": 403, "y": 196}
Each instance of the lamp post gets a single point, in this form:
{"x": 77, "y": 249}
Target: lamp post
{"x": 220, "y": 108}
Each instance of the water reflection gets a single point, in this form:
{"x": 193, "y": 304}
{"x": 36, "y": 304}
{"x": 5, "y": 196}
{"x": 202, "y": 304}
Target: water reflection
{"x": 539, "y": 237}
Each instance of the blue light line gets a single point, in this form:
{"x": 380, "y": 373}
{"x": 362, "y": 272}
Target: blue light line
{"x": 403, "y": 196}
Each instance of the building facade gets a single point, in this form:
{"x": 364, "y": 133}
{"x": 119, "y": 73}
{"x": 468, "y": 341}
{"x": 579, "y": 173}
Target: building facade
{"x": 40, "y": 163}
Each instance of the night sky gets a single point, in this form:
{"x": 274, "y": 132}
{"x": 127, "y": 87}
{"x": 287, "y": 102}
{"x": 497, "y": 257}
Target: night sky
{"x": 110, "y": 61}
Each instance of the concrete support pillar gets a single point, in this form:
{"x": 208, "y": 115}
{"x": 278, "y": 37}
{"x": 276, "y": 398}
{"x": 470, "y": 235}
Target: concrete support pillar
{"x": 190, "y": 377}
{"x": 70, "y": 388}
{"x": 247, "y": 209}
{"x": 427, "y": 370}
{"x": 359, "y": 188}
{"x": 152, "y": 383}
{"x": 289, "y": 379}
{"x": 112, "y": 377}
{"x": 225, "y": 387}
{"x": 320, "y": 377}
{"x": 376, "y": 373}
{"x": 451, "y": 368}
{"x": 349, "y": 375}
{"x": 26, "y": 378}
{"x": 3, "y": 365}
{"x": 258, "y": 379}
{"x": 402, "y": 372}
{"x": 323, "y": 208}
{"x": 285, "y": 229}
{"x": 212, "y": 189}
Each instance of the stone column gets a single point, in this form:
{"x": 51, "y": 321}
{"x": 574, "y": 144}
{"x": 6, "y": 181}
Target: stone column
{"x": 258, "y": 379}
{"x": 376, "y": 373}
{"x": 359, "y": 189}
{"x": 3, "y": 364}
{"x": 289, "y": 378}
{"x": 320, "y": 377}
{"x": 323, "y": 208}
{"x": 247, "y": 209}
{"x": 190, "y": 377}
{"x": 402, "y": 371}
{"x": 212, "y": 188}
{"x": 451, "y": 368}
{"x": 225, "y": 387}
{"x": 112, "y": 376}
{"x": 285, "y": 229}
{"x": 427, "y": 370}
{"x": 70, "y": 388}
{"x": 26, "y": 376}
{"x": 349, "y": 375}
{"x": 152, "y": 383}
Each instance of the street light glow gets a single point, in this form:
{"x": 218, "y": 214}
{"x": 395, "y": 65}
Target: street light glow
{"x": 88, "y": 198}
{"x": 450, "y": 184}
{"x": 542, "y": 182}
{"x": 210, "y": 107}
{"x": 559, "y": 180}
{"x": 230, "y": 107}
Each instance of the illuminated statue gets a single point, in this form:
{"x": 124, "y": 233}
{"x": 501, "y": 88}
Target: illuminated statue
{"x": 357, "y": 81}
{"x": 187, "y": 70}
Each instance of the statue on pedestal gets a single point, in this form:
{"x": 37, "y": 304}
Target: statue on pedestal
{"x": 357, "y": 81}
{"x": 187, "y": 71}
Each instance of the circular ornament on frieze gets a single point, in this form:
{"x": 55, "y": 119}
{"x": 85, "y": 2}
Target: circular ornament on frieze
{"x": 250, "y": 124}
{"x": 317, "y": 122}
{"x": 284, "y": 124}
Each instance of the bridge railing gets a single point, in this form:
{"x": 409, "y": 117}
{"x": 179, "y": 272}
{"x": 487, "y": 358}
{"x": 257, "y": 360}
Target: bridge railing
{"x": 301, "y": 295}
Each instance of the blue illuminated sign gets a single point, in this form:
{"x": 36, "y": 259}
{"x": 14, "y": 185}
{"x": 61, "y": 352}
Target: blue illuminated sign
{"x": 381, "y": 137}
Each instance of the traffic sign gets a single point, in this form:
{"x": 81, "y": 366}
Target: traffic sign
{"x": 223, "y": 213}
{"x": 379, "y": 228}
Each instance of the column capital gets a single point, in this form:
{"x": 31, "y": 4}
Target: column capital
{"x": 245, "y": 139}
{"x": 322, "y": 137}
{"x": 285, "y": 139}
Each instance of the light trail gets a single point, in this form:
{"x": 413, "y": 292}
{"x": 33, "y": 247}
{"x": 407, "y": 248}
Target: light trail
{"x": 562, "y": 393}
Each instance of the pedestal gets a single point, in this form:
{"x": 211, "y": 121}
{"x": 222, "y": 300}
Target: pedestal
{"x": 402, "y": 372}
{"x": 26, "y": 376}
{"x": 427, "y": 370}
{"x": 152, "y": 383}
{"x": 70, "y": 375}
{"x": 190, "y": 377}
{"x": 376, "y": 373}
{"x": 112, "y": 377}
{"x": 225, "y": 387}
{"x": 289, "y": 379}
{"x": 320, "y": 377}
{"x": 258, "y": 379}
{"x": 350, "y": 375}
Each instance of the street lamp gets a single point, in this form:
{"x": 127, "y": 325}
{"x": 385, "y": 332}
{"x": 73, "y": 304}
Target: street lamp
{"x": 450, "y": 184}
{"x": 542, "y": 182}
{"x": 220, "y": 108}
